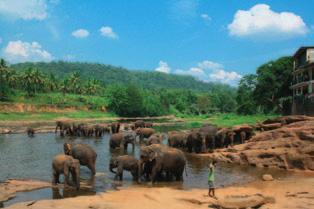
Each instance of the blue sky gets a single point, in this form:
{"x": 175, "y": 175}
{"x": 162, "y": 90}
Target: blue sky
{"x": 213, "y": 40}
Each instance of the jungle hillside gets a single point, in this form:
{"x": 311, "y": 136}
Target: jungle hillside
{"x": 98, "y": 90}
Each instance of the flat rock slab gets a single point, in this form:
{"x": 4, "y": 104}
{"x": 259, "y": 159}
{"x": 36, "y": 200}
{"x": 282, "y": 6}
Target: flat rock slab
{"x": 245, "y": 201}
{"x": 9, "y": 188}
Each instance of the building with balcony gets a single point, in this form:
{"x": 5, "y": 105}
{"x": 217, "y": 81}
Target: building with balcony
{"x": 303, "y": 82}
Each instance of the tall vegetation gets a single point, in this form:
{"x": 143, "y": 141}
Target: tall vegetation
{"x": 268, "y": 90}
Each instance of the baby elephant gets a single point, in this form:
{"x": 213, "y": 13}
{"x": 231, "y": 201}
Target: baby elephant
{"x": 84, "y": 153}
{"x": 124, "y": 162}
{"x": 30, "y": 132}
{"x": 65, "y": 164}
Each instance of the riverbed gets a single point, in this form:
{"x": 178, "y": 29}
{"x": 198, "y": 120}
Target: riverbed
{"x": 23, "y": 157}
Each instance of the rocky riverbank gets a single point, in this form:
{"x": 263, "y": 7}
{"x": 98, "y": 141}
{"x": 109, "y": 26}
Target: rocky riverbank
{"x": 288, "y": 147}
{"x": 297, "y": 191}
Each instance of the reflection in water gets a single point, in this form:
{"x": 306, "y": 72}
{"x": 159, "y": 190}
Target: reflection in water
{"x": 58, "y": 193}
{"x": 22, "y": 157}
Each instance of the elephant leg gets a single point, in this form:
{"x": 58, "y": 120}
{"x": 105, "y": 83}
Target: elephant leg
{"x": 55, "y": 178}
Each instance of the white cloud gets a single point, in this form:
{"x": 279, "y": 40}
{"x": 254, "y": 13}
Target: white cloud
{"x": 80, "y": 33}
{"x": 211, "y": 71}
{"x": 24, "y": 9}
{"x": 224, "y": 76}
{"x": 19, "y": 51}
{"x": 163, "y": 67}
{"x": 206, "y": 17}
{"x": 261, "y": 21}
{"x": 107, "y": 31}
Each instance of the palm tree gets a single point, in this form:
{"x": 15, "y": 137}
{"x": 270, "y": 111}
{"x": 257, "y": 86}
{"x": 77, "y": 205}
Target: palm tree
{"x": 4, "y": 87}
{"x": 52, "y": 82}
{"x": 75, "y": 82}
{"x": 92, "y": 87}
{"x": 32, "y": 81}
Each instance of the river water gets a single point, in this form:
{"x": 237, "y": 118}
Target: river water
{"x": 22, "y": 157}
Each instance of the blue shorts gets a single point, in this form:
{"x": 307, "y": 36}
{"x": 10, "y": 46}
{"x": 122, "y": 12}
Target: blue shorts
{"x": 211, "y": 185}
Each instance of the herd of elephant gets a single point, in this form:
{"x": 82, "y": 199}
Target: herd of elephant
{"x": 156, "y": 160}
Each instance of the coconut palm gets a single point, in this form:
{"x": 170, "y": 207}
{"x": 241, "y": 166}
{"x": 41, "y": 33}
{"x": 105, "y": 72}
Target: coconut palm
{"x": 33, "y": 81}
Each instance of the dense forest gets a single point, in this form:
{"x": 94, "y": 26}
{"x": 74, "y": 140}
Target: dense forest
{"x": 108, "y": 74}
{"x": 142, "y": 93}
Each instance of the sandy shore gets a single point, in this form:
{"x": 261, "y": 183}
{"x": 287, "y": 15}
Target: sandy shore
{"x": 293, "y": 192}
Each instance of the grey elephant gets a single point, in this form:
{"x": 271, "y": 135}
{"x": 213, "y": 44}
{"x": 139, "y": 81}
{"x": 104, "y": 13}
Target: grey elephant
{"x": 161, "y": 159}
{"x": 195, "y": 141}
{"x": 156, "y": 138}
{"x": 177, "y": 139}
{"x": 65, "y": 127}
{"x": 100, "y": 130}
{"x": 66, "y": 165}
{"x": 84, "y": 153}
{"x": 224, "y": 137}
{"x": 30, "y": 131}
{"x": 144, "y": 133}
{"x": 139, "y": 124}
{"x": 124, "y": 162}
{"x": 115, "y": 127}
{"x": 208, "y": 133}
{"x": 122, "y": 140}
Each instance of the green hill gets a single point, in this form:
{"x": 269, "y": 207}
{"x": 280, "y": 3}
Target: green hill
{"x": 109, "y": 74}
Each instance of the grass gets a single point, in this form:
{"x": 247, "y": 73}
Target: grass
{"x": 228, "y": 120}
{"x": 46, "y": 116}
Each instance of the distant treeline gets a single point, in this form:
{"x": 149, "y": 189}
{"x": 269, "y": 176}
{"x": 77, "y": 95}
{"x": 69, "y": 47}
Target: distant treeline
{"x": 137, "y": 93}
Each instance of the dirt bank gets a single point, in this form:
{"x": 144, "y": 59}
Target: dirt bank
{"x": 293, "y": 192}
{"x": 288, "y": 147}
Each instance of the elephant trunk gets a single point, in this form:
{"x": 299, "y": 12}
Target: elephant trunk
{"x": 203, "y": 144}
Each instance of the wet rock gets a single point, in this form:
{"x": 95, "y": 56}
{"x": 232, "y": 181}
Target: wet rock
{"x": 245, "y": 201}
{"x": 267, "y": 177}
{"x": 5, "y": 131}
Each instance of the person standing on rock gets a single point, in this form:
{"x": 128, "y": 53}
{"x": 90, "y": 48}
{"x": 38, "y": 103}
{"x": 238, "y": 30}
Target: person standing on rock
{"x": 211, "y": 179}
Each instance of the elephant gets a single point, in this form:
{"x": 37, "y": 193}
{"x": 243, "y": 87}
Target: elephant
{"x": 100, "y": 130}
{"x": 65, "y": 127}
{"x": 84, "y": 153}
{"x": 115, "y": 127}
{"x": 208, "y": 133}
{"x": 87, "y": 130}
{"x": 144, "y": 133}
{"x": 139, "y": 124}
{"x": 122, "y": 139}
{"x": 30, "y": 132}
{"x": 124, "y": 162}
{"x": 177, "y": 139}
{"x": 155, "y": 139}
{"x": 162, "y": 159}
{"x": 195, "y": 141}
{"x": 224, "y": 137}
{"x": 65, "y": 164}
{"x": 148, "y": 125}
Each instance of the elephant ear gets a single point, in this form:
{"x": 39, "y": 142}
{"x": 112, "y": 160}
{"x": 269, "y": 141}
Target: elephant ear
{"x": 67, "y": 148}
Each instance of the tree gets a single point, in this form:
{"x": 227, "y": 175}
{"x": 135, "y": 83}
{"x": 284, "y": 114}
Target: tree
{"x": 75, "y": 82}
{"x": 92, "y": 87}
{"x": 125, "y": 100}
{"x": 4, "y": 81}
{"x": 203, "y": 103}
{"x": 245, "y": 95}
{"x": 33, "y": 81}
{"x": 272, "y": 90}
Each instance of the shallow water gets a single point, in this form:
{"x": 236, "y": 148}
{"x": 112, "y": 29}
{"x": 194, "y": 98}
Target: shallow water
{"x": 22, "y": 157}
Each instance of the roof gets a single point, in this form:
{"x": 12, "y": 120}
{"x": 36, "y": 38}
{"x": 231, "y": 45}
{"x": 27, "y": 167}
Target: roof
{"x": 301, "y": 50}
